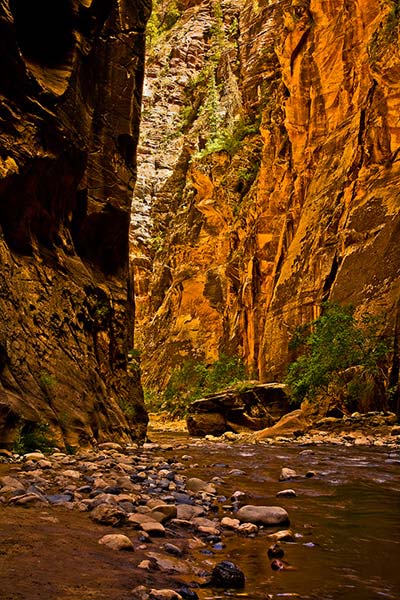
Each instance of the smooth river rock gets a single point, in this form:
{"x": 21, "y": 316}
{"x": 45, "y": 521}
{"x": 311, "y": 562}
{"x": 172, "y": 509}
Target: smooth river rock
{"x": 263, "y": 515}
{"x": 116, "y": 541}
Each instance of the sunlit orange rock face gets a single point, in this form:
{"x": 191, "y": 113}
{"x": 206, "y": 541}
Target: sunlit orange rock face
{"x": 246, "y": 241}
{"x": 71, "y": 74}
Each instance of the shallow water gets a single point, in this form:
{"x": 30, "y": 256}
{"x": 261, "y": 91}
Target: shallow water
{"x": 346, "y": 519}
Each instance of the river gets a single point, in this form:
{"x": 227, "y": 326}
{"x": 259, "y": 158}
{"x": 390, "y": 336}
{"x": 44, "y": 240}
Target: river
{"x": 346, "y": 518}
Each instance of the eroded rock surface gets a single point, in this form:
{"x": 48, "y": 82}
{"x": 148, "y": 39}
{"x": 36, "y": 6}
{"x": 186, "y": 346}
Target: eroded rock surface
{"x": 70, "y": 90}
{"x": 272, "y": 183}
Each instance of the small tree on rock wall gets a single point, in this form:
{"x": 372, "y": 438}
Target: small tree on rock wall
{"x": 331, "y": 344}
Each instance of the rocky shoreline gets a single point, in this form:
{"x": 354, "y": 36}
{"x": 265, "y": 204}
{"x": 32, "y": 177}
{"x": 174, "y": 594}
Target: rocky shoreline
{"x": 375, "y": 428}
{"x": 147, "y": 507}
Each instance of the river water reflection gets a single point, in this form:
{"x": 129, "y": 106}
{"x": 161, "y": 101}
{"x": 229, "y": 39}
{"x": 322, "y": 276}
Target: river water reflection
{"x": 346, "y": 519}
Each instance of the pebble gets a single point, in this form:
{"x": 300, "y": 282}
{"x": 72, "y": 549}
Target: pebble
{"x": 236, "y": 473}
{"x": 249, "y": 529}
{"x": 117, "y": 541}
{"x": 153, "y": 528}
{"x": 285, "y": 535}
{"x": 287, "y": 473}
{"x": 71, "y": 473}
{"x": 230, "y": 523}
{"x": 395, "y": 431}
{"x": 164, "y": 595}
{"x": 108, "y": 515}
{"x": 6, "y": 453}
{"x": 289, "y": 493}
{"x": 172, "y": 549}
{"x": 194, "y": 484}
{"x": 227, "y": 575}
{"x": 35, "y": 456}
{"x": 275, "y": 551}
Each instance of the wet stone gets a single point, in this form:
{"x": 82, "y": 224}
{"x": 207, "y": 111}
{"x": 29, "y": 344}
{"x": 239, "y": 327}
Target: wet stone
{"x": 227, "y": 575}
{"x": 194, "y": 484}
{"x": 285, "y": 535}
{"x": 187, "y": 593}
{"x": 275, "y": 551}
{"x": 287, "y": 474}
{"x": 263, "y": 515}
{"x": 60, "y": 499}
{"x": 289, "y": 493}
{"x": 164, "y": 595}
{"x": 172, "y": 549}
{"x": 230, "y": 523}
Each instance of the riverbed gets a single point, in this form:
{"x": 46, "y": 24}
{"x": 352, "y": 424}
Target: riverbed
{"x": 345, "y": 518}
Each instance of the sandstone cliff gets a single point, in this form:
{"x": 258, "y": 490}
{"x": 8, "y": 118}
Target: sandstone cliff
{"x": 270, "y": 170}
{"x": 71, "y": 78}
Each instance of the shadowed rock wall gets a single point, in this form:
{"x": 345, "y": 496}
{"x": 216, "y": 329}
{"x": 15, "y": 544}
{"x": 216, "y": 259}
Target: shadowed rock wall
{"x": 70, "y": 90}
{"x": 296, "y": 198}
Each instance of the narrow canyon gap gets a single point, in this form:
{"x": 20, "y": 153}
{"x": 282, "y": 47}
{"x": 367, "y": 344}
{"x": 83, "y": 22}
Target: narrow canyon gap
{"x": 268, "y": 179}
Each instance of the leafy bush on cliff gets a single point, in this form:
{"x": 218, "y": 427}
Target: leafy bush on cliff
{"x": 164, "y": 15}
{"x": 193, "y": 380}
{"x": 331, "y": 344}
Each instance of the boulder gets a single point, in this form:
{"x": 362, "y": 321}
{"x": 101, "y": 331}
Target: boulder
{"x": 257, "y": 407}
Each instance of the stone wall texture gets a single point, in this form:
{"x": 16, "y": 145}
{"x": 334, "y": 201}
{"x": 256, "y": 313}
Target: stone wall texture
{"x": 71, "y": 75}
{"x": 242, "y": 241}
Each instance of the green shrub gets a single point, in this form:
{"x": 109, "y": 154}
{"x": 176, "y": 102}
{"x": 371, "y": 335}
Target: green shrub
{"x": 47, "y": 381}
{"x": 228, "y": 140}
{"x": 386, "y": 34}
{"x": 193, "y": 380}
{"x": 35, "y": 437}
{"x": 334, "y": 342}
{"x": 163, "y": 17}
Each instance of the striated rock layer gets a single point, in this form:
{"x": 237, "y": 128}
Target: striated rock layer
{"x": 70, "y": 90}
{"x": 272, "y": 178}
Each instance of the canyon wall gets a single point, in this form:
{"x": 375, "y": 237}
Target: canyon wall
{"x": 71, "y": 78}
{"x": 269, "y": 179}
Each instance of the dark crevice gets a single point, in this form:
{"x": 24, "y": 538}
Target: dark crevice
{"x": 45, "y": 30}
{"x": 92, "y": 19}
{"x": 126, "y": 147}
{"x": 298, "y": 49}
{"x": 288, "y": 236}
{"x": 330, "y": 280}
{"x": 99, "y": 237}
